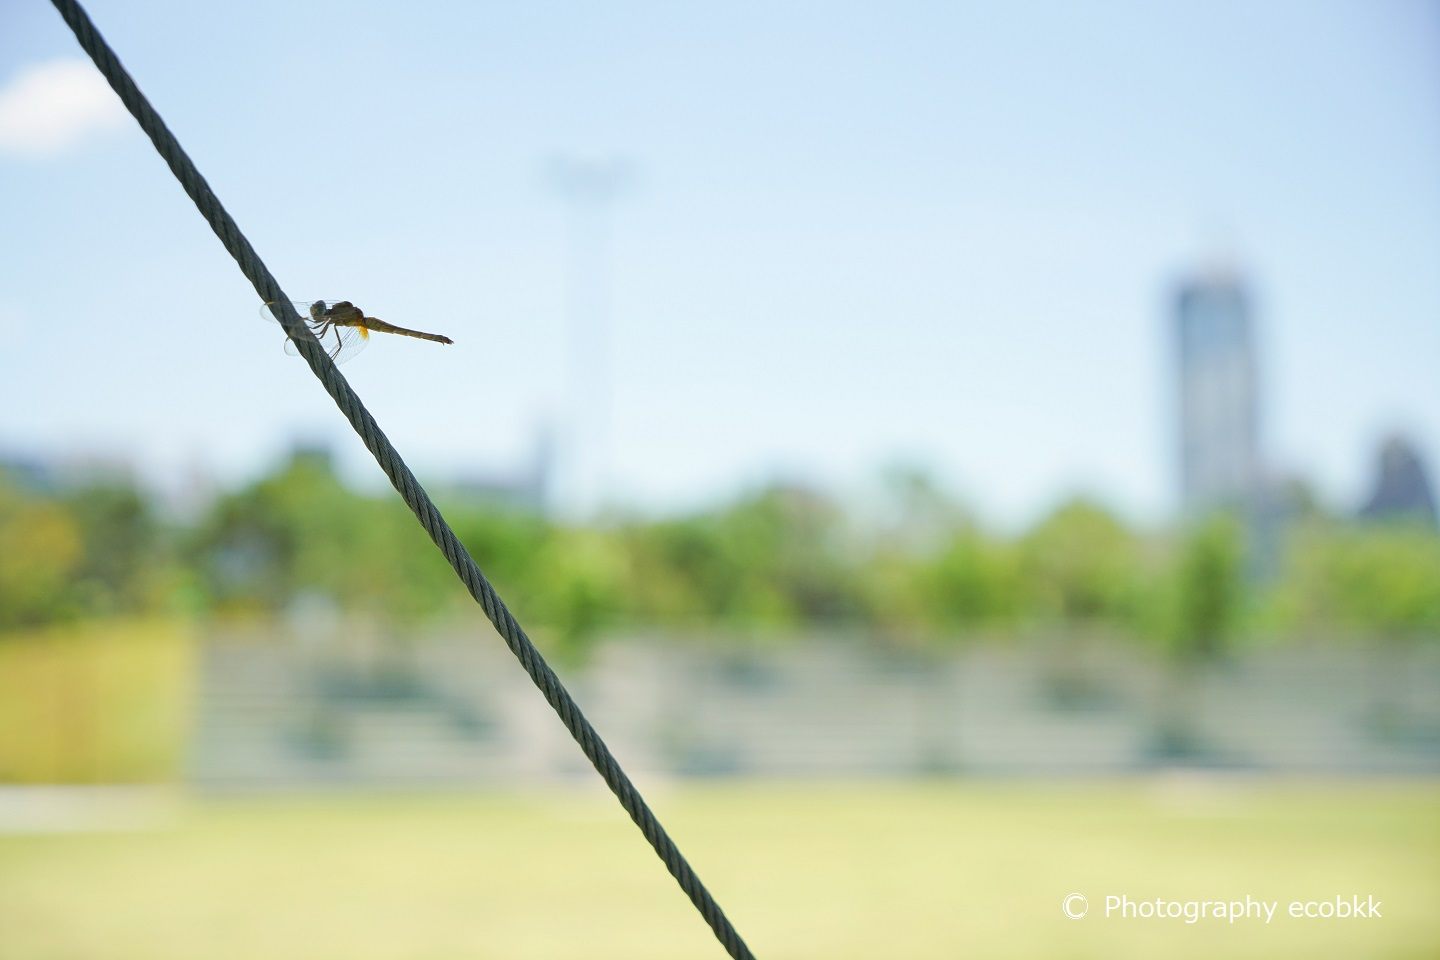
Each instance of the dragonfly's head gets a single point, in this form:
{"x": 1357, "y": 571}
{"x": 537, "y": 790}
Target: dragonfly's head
{"x": 317, "y": 309}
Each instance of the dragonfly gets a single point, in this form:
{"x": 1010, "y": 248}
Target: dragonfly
{"x": 342, "y": 328}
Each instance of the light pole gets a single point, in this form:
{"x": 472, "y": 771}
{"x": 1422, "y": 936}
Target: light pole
{"x": 589, "y": 187}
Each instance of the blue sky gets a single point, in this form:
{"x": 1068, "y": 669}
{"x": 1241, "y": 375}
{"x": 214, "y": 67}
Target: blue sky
{"x": 857, "y": 234}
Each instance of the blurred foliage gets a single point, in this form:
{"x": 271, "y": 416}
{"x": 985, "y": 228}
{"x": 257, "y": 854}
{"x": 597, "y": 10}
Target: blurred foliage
{"x": 39, "y": 551}
{"x": 910, "y": 566}
{"x": 1081, "y": 565}
{"x": 1210, "y": 588}
{"x": 94, "y": 550}
{"x": 1381, "y": 580}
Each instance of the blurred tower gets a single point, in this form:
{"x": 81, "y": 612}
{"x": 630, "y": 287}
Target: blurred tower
{"x": 1220, "y": 465}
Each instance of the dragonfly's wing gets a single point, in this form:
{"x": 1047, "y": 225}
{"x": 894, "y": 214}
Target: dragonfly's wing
{"x": 340, "y": 342}
{"x": 344, "y": 343}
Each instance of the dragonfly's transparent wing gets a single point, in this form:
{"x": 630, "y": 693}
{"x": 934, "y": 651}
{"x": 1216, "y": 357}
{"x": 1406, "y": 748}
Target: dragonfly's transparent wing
{"x": 341, "y": 342}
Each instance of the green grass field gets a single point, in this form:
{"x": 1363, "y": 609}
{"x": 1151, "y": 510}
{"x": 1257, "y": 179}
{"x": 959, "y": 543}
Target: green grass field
{"x": 806, "y": 871}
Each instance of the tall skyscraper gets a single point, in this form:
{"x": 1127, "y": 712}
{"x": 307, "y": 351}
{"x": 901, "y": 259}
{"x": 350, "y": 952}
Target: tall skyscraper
{"x": 1220, "y": 465}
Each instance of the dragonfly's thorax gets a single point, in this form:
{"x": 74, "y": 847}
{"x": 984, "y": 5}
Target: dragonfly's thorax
{"x": 345, "y": 314}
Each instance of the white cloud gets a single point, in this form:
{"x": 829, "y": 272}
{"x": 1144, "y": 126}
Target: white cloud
{"x": 50, "y": 107}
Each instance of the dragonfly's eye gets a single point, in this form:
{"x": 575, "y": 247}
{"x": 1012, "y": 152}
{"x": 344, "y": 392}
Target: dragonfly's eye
{"x": 317, "y": 309}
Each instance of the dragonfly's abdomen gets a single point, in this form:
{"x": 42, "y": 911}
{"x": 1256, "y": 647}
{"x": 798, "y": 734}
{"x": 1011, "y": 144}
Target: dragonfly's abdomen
{"x": 380, "y": 326}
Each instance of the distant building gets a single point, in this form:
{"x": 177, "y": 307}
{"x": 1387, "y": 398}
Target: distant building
{"x": 50, "y": 475}
{"x": 28, "y": 473}
{"x": 1220, "y": 463}
{"x": 1402, "y": 485}
{"x": 520, "y": 490}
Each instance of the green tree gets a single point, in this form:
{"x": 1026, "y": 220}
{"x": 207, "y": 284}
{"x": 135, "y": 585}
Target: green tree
{"x": 975, "y": 582}
{"x": 1209, "y": 588}
{"x": 124, "y": 566}
{"x": 776, "y": 558}
{"x": 582, "y": 592}
{"x": 1387, "y": 580}
{"x": 1081, "y": 566}
{"x": 40, "y": 550}
{"x": 1207, "y": 592}
{"x": 1375, "y": 582}
{"x": 302, "y": 531}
